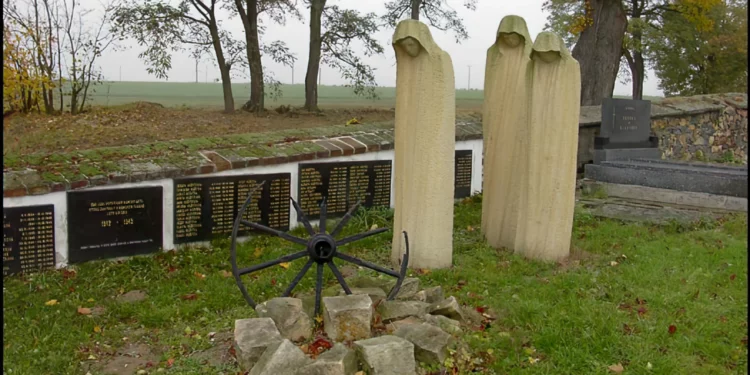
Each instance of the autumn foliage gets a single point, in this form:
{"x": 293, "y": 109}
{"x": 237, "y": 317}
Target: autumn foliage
{"x": 24, "y": 83}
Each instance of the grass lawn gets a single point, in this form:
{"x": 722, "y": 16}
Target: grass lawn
{"x": 577, "y": 317}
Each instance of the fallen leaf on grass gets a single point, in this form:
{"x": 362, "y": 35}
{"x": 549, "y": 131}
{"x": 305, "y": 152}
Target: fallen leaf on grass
{"x": 421, "y": 271}
{"x": 672, "y": 329}
{"x": 170, "y": 362}
{"x": 470, "y": 228}
{"x": 373, "y": 227}
{"x": 90, "y": 300}
{"x": 84, "y": 311}
{"x": 284, "y": 265}
{"x": 51, "y": 302}
{"x": 225, "y": 273}
{"x": 97, "y": 329}
{"x": 200, "y": 275}
{"x": 613, "y": 263}
{"x": 189, "y": 297}
{"x": 68, "y": 274}
{"x": 642, "y": 311}
{"x": 319, "y": 319}
{"x": 732, "y": 277}
{"x": 258, "y": 252}
{"x": 617, "y": 369}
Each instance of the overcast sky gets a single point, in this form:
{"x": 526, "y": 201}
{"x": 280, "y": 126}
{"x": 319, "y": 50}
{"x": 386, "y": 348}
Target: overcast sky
{"x": 481, "y": 25}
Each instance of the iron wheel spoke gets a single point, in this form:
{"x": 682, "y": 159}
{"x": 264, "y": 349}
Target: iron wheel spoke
{"x": 275, "y": 232}
{"x": 360, "y": 236}
{"x": 323, "y": 209}
{"x": 404, "y": 264}
{"x": 345, "y": 219}
{"x": 297, "y": 278}
{"x": 367, "y": 264}
{"x": 318, "y": 288}
{"x": 301, "y": 216}
{"x": 274, "y": 262}
{"x": 340, "y": 277}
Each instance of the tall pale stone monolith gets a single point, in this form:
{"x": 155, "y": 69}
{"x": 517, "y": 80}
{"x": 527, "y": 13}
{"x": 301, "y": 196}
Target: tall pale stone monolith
{"x": 546, "y": 220}
{"x": 507, "y": 81}
{"x": 425, "y": 136}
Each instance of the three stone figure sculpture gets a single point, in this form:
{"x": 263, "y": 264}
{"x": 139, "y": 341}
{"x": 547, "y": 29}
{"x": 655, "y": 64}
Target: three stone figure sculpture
{"x": 548, "y": 198}
{"x": 507, "y": 81}
{"x": 425, "y": 137}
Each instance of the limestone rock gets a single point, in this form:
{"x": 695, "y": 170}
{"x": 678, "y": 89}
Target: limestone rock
{"x": 424, "y": 144}
{"x": 446, "y": 324}
{"x": 408, "y": 289}
{"x": 376, "y": 294}
{"x": 396, "y": 310}
{"x": 386, "y": 355}
{"x": 339, "y": 360}
{"x": 251, "y": 338}
{"x": 289, "y": 315}
{"x": 394, "y": 325}
{"x": 448, "y": 307}
{"x": 430, "y": 342}
{"x": 370, "y": 282}
{"x": 429, "y": 295}
{"x": 280, "y": 358}
{"x": 347, "y": 317}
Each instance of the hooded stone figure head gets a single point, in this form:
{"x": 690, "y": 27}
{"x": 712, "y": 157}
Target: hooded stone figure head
{"x": 413, "y": 38}
{"x": 549, "y": 47}
{"x": 513, "y": 33}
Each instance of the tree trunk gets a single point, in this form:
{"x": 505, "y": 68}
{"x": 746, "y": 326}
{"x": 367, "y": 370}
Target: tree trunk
{"x": 226, "y": 80}
{"x": 599, "y": 49}
{"x": 313, "y": 60}
{"x": 415, "y": 9}
{"x": 256, "y": 102}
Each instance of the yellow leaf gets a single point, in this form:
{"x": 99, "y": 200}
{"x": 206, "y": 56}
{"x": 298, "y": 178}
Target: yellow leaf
{"x": 319, "y": 319}
{"x": 90, "y": 300}
{"x": 284, "y": 265}
{"x": 51, "y": 302}
{"x": 490, "y": 351}
{"x": 97, "y": 329}
{"x": 258, "y": 252}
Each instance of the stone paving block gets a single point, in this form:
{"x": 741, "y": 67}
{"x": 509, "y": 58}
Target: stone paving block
{"x": 289, "y": 316}
{"x": 386, "y": 355}
{"x": 430, "y": 342}
{"x": 347, "y": 318}
{"x": 251, "y": 338}
{"x": 280, "y": 358}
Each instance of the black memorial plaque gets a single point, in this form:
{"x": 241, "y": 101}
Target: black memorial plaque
{"x": 343, "y": 184}
{"x": 28, "y": 239}
{"x": 114, "y": 223}
{"x": 462, "y": 174}
{"x": 205, "y": 207}
{"x": 626, "y": 121}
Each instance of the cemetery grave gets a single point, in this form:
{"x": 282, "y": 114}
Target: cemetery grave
{"x": 204, "y": 208}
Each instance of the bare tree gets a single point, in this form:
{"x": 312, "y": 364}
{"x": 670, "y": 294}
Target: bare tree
{"x": 437, "y": 13}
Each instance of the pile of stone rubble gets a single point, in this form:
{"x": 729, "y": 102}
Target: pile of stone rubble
{"x": 366, "y": 332}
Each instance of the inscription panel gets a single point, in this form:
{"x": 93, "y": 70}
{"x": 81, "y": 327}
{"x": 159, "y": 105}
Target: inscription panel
{"x": 343, "y": 184}
{"x": 462, "y": 174}
{"x": 114, "y": 223}
{"x": 625, "y": 120}
{"x": 28, "y": 239}
{"x": 205, "y": 207}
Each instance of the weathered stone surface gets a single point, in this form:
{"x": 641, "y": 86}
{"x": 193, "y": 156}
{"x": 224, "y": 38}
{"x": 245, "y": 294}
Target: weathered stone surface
{"x": 290, "y": 318}
{"x": 251, "y": 338}
{"x": 370, "y": 282}
{"x": 376, "y": 294}
{"x": 429, "y": 295}
{"x": 280, "y": 358}
{"x": 394, "y": 325}
{"x": 339, "y": 360}
{"x": 408, "y": 289}
{"x": 386, "y": 355}
{"x": 430, "y": 342}
{"x": 446, "y": 324}
{"x": 396, "y": 310}
{"x": 448, "y": 307}
{"x": 347, "y": 317}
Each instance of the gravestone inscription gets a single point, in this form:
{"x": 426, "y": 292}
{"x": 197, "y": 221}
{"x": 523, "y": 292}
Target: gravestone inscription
{"x": 625, "y": 123}
{"x": 28, "y": 239}
{"x": 114, "y": 223}
{"x": 343, "y": 184}
{"x": 206, "y": 207}
{"x": 463, "y": 174}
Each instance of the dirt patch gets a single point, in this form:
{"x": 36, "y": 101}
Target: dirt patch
{"x": 575, "y": 259}
{"x": 219, "y": 354}
{"x": 132, "y": 296}
{"x": 129, "y": 359}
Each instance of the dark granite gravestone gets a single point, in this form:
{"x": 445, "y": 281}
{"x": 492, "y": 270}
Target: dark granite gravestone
{"x": 625, "y": 131}
{"x": 206, "y": 207}
{"x": 28, "y": 239}
{"x": 674, "y": 175}
{"x": 114, "y": 223}
{"x": 343, "y": 184}
{"x": 462, "y": 179}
